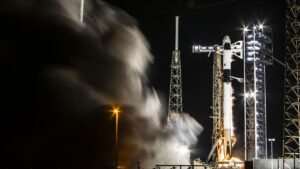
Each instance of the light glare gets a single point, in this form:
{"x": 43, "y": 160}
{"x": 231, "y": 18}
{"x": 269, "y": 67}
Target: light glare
{"x": 182, "y": 149}
{"x": 116, "y": 110}
{"x": 250, "y": 94}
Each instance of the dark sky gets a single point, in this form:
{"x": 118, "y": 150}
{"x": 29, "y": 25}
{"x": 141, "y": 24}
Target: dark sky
{"x": 206, "y": 22}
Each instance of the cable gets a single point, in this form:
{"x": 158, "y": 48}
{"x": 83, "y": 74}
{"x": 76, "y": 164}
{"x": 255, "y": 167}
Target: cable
{"x": 215, "y": 4}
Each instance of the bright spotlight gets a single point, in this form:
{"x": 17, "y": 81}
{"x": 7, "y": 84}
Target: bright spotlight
{"x": 182, "y": 149}
{"x": 261, "y": 26}
{"x": 115, "y": 110}
{"x": 271, "y": 139}
{"x": 254, "y": 27}
{"x": 250, "y": 94}
{"x": 245, "y": 29}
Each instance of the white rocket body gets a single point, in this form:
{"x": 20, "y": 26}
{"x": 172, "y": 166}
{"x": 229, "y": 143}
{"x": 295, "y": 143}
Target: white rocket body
{"x": 227, "y": 96}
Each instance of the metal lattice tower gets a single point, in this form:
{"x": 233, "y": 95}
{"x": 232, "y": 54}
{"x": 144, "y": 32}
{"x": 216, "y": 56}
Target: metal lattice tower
{"x": 292, "y": 81}
{"x": 258, "y": 54}
{"x": 175, "y": 93}
{"x": 217, "y": 99}
{"x": 217, "y": 102}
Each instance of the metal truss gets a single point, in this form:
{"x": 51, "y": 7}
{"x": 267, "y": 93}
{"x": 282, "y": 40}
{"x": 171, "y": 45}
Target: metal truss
{"x": 292, "y": 82}
{"x": 258, "y": 54}
{"x": 175, "y": 92}
{"x": 217, "y": 103}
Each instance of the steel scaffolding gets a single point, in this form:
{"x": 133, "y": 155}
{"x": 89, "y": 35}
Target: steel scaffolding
{"x": 292, "y": 81}
{"x": 258, "y": 54}
{"x": 175, "y": 93}
{"x": 217, "y": 104}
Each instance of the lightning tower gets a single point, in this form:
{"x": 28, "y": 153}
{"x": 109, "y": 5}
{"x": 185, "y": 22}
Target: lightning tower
{"x": 175, "y": 93}
{"x": 258, "y": 50}
{"x": 292, "y": 81}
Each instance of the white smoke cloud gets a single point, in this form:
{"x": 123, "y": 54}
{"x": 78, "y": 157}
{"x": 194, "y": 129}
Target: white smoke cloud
{"x": 126, "y": 46}
{"x": 103, "y": 62}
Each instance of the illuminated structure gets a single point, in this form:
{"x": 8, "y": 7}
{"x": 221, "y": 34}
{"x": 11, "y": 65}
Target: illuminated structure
{"x": 175, "y": 93}
{"x": 217, "y": 103}
{"x": 81, "y": 10}
{"x": 292, "y": 81}
{"x": 258, "y": 53}
{"x": 116, "y": 112}
{"x": 223, "y": 136}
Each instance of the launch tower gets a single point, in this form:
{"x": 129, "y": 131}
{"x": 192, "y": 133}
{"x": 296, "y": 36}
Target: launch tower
{"x": 292, "y": 81}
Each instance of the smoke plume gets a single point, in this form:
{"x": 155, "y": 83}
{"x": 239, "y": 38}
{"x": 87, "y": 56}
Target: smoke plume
{"x": 60, "y": 77}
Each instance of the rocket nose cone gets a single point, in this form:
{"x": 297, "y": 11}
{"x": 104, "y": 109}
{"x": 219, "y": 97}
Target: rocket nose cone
{"x": 226, "y": 39}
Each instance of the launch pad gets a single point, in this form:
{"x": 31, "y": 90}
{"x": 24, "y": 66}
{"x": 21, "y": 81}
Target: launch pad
{"x": 255, "y": 164}
{"x": 213, "y": 165}
{"x": 256, "y": 50}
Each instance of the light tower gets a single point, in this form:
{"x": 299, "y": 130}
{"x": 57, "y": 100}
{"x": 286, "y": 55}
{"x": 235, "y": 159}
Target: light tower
{"x": 175, "y": 93}
{"x": 292, "y": 81}
{"x": 258, "y": 50}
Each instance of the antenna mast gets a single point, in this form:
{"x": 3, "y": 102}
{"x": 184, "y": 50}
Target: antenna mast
{"x": 81, "y": 10}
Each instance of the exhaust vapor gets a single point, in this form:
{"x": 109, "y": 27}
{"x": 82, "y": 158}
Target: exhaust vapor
{"x": 61, "y": 75}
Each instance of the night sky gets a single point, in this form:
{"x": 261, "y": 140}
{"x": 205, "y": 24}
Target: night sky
{"x": 206, "y": 22}
{"x": 50, "y": 121}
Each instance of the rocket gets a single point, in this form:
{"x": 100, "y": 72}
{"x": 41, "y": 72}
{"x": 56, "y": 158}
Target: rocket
{"x": 229, "y": 139}
{"x": 227, "y": 96}
{"x": 227, "y": 50}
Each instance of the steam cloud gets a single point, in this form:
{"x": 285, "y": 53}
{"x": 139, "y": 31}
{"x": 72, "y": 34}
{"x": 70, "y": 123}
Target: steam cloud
{"x": 59, "y": 78}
